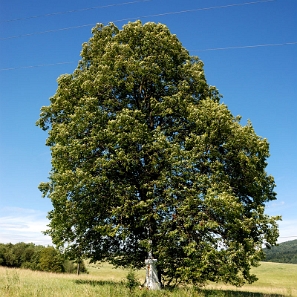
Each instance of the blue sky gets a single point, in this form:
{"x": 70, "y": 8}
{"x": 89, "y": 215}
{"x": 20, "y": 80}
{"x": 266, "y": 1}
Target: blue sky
{"x": 249, "y": 49}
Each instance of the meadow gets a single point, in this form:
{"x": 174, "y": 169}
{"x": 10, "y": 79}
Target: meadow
{"x": 275, "y": 280}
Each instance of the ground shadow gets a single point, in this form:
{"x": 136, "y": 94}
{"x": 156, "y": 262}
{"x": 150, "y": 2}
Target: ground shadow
{"x": 204, "y": 292}
{"x": 230, "y": 293}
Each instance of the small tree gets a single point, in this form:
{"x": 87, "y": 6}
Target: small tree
{"x": 145, "y": 157}
{"x": 50, "y": 260}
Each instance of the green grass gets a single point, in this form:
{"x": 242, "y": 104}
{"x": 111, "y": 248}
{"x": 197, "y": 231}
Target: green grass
{"x": 275, "y": 280}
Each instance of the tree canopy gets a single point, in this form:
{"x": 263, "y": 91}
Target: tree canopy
{"x": 146, "y": 158}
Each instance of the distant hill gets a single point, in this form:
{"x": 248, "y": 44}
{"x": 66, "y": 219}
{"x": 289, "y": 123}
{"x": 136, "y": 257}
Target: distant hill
{"x": 285, "y": 252}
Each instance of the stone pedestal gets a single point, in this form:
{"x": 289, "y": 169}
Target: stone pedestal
{"x": 151, "y": 279}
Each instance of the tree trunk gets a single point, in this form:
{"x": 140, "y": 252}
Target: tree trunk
{"x": 78, "y": 268}
{"x": 160, "y": 278}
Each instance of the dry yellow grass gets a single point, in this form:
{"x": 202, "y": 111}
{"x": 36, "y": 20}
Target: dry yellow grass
{"x": 275, "y": 280}
{"x": 106, "y": 271}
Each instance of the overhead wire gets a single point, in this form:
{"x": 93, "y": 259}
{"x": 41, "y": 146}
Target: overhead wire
{"x": 140, "y": 17}
{"x": 201, "y": 50}
{"x": 48, "y": 31}
{"x": 244, "y": 46}
{"x": 73, "y": 11}
{"x": 125, "y": 19}
{"x": 36, "y": 66}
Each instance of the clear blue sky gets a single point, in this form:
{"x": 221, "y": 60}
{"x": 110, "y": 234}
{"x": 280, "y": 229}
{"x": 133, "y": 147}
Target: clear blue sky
{"x": 258, "y": 82}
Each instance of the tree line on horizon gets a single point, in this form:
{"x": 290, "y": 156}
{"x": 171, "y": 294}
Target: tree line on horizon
{"x": 37, "y": 257}
{"x": 285, "y": 252}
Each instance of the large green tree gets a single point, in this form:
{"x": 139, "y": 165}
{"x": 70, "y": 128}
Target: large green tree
{"x": 145, "y": 157}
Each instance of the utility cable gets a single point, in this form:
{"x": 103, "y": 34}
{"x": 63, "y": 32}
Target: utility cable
{"x": 204, "y": 50}
{"x": 72, "y": 11}
{"x": 36, "y": 66}
{"x": 244, "y": 46}
{"x": 140, "y": 17}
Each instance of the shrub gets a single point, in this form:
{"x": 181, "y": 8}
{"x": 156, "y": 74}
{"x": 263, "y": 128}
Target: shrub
{"x": 131, "y": 281}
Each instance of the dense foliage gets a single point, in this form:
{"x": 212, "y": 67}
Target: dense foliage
{"x": 36, "y": 257}
{"x": 146, "y": 158}
{"x": 285, "y": 252}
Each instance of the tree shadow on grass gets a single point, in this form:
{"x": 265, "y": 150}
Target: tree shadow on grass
{"x": 205, "y": 292}
{"x": 230, "y": 293}
{"x": 96, "y": 282}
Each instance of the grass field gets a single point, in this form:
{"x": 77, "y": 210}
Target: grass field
{"x": 275, "y": 280}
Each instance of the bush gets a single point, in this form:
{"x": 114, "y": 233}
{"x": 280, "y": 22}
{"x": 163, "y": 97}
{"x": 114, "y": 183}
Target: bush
{"x": 131, "y": 281}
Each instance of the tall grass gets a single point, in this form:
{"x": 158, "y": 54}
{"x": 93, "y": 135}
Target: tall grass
{"x": 275, "y": 280}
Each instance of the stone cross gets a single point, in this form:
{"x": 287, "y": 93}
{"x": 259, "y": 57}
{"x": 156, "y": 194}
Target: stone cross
{"x": 151, "y": 279}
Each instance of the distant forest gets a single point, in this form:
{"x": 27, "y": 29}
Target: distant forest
{"x": 285, "y": 252}
{"x": 37, "y": 257}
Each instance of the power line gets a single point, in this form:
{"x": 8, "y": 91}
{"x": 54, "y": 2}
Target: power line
{"x": 210, "y": 49}
{"x": 72, "y": 11}
{"x": 48, "y": 31}
{"x": 35, "y": 66}
{"x": 139, "y": 17}
{"x": 244, "y": 46}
